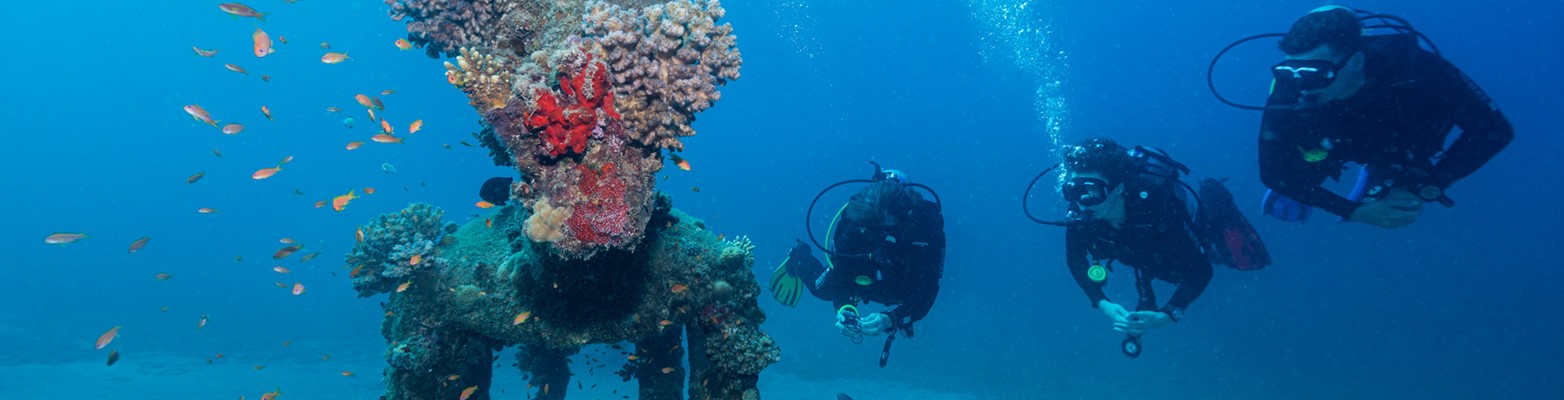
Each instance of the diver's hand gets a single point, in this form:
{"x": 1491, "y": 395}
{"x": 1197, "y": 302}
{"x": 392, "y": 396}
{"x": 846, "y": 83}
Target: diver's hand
{"x": 1114, "y": 311}
{"x": 1397, "y": 209}
{"x": 875, "y": 324}
{"x": 1140, "y": 322}
{"x": 842, "y": 323}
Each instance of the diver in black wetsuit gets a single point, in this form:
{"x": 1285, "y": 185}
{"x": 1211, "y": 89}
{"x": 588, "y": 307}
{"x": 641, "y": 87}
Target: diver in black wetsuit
{"x": 1121, "y": 213}
{"x": 888, "y": 247}
{"x": 1381, "y": 101}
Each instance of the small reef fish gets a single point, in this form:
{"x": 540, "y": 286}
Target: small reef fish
{"x": 206, "y": 210}
{"x": 385, "y": 126}
{"x": 696, "y": 189}
{"x": 242, "y": 10}
{"x": 415, "y": 127}
{"x": 403, "y": 287}
{"x": 489, "y": 222}
{"x": 378, "y": 104}
{"x": 679, "y": 161}
{"x": 363, "y": 101}
{"x": 347, "y": 122}
{"x": 298, "y": 288}
{"x": 263, "y": 43}
{"x": 446, "y": 146}
{"x": 667, "y": 369}
{"x": 453, "y": 377}
{"x": 232, "y": 129}
{"x": 204, "y": 53}
{"x": 259, "y": 367}
{"x": 280, "y": 284}
{"x": 282, "y": 39}
{"x": 106, "y": 337}
{"x": 415, "y": 260}
{"x": 287, "y": 343}
{"x": 200, "y": 114}
{"x": 369, "y": 190}
{"x": 325, "y": 46}
{"x": 387, "y": 92}
{"x": 678, "y": 288}
{"x": 139, "y": 243}
{"x": 320, "y": 204}
{"x": 202, "y": 324}
{"x": 264, "y": 173}
{"x": 236, "y": 68}
{"x": 286, "y": 251}
{"x": 521, "y": 317}
{"x": 484, "y": 204}
{"x": 388, "y": 168}
{"x": 468, "y": 392}
{"x": 347, "y": 374}
{"x": 307, "y": 257}
{"x": 282, "y": 270}
{"x": 340, "y": 202}
{"x": 219, "y": 154}
{"x": 267, "y": 112}
{"x": 113, "y": 357}
{"x": 272, "y": 395}
{"x": 333, "y": 109}
{"x": 333, "y": 57}
{"x": 286, "y": 241}
{"x": 354, "y": 145}
{"x": 162, "y": 276}
{"x": 665, "y": 322}
{"x": 63, "y": 238}
{"x": 402, "y": 44}
{"x": 372, "y": 117}
{"x": 355, "y": 271}
{"x": 266, "y": 78}
{"x": 360, "y": 235}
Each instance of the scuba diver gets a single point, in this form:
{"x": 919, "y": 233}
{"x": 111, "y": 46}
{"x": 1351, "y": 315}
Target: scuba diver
{"x": 1129, "y": 205}
{"x": 1381, "y": 101}
{"x": 886, "y": 245}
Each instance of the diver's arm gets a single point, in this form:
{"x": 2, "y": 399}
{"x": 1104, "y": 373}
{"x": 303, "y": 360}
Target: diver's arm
{"x": 1284, "y": 169}
{"x": 1077, "y": 239}
{"x": 1484, "y": 130}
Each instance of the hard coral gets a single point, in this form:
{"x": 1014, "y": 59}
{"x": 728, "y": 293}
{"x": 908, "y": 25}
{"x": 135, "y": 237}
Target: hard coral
{"x": 566, "y": 120}
{"x": 483, "y": 77}
{"x": 443, "y": 26}
{"x": 668, "y": 60}
{"x": 384, "y": 257}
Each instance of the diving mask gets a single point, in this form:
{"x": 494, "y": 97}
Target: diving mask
{"x": 1307, "y": 74}
{"x": 1085, "y": 191}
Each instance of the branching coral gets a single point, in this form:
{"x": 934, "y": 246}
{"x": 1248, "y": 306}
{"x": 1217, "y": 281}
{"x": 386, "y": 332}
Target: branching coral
{"x": 547, "y": 223}
{"x": 385, "y": 255}
{"x": 482, "y": 76}
{"x": 443, "y": 26}
{"x": 668, "y": 60}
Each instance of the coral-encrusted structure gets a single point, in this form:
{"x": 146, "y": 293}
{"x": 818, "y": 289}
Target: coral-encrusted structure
{"x": 684, "y": 282}
{"x": 582, "y": 97}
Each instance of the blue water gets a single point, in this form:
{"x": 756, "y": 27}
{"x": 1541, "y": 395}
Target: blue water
{"x": 967, "y": 97}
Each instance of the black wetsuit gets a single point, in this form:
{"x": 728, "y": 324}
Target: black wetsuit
{"x": 1156, "y": 240}
{"x": 903, "y": 262}
{"x": 1396, "y": 126}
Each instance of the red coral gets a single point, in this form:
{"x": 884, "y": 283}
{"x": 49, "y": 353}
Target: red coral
{"x": 604, "y": 216}
{"x": 565, "y": 128}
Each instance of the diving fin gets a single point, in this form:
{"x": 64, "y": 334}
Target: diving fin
{"x": 1225, "y": 233}
{"x": 786, "y": 287}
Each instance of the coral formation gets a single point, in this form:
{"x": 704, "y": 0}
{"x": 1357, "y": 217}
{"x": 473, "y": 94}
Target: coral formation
{"x": 483, "y": 77}
{"x": 385, "y": 255}
{"x": 547, "y": 223}
{"x": 668, "y": 60}
{"x": 564, "y": 122}
{"x": 443, "y": 26}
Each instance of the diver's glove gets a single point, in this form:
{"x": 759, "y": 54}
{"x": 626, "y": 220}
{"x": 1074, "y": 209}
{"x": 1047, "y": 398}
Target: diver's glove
{"x": 1140, "y": 322}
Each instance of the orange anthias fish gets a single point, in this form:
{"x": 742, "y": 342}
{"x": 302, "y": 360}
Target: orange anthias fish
{"x": 468, "y": 392}
{"x": 354, "y": 145}
{"x": 267, "y": 112}
{"x": 385, "y": 126}
{"x": 354, "y": 273}
{"x": 364, "y": 101}
{"x": 200, "y": 114}
{"x": 679, "y": 161}
{"x": 264, "y": 173}
{"x": 308, "y": 257}
{"x": 286, "y": 251}
{"x": 372, "y": 116}
{"x": 360, "y": 235}
{"x": 202, "y": 324}
{"x": 320, "y": 204}
{"x": 298, "y": 288}
{"x": 63, "y": 238}
{"x": 263, "y": 43}
{"x": 206, "y": 210}
{"x": 369, "y": 190}
{"x": 333, "y": 109}
{"x": 378, "y": 104}
{"x": 286, "y": 241}
{"x": 341, "y": 202}
{"x": 139, "y": 243}
{"x": 242, "y": 11}
{"x": 484, "y": 204}
{"x": 204, "y": 53}
{"x": 103, "y": 340}
{"x": 333, "y": 57}
{"x": 347, "y": 374}
{"x": 415, "y": 127}
{"x": 665, "y": 322}
{"x": 325, "y": 46}
{"x": 272, "y": 395}
{"x": 387, "y": 92}
{"x": 489, "y": 222}
{"x": 232, "y": 129}
{"x": 385, "y": 138}
{"x": 403, "y": 44}
{"x": 282, "y": 39}
{"x": 417, "y": 258}
{"x": 678, "y": 288}
{"x": 282, "y": 270}
{"x": 403, "y": 287}
{"x": 235, "y": 68}
{"x": 667, "y": 369}
{"x": 521, "y": 317}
